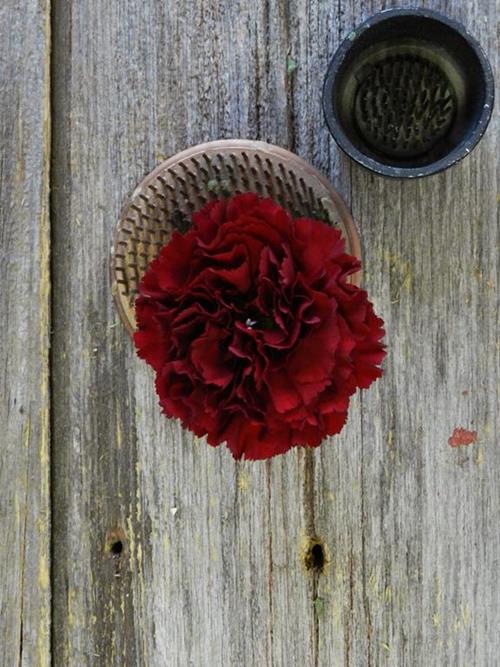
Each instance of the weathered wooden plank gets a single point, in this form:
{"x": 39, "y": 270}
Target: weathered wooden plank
{"x": 195, "y": 583}
{"x": 411, "y": 522}
{"x": 24, "y": 332}
{"x": 210, "y": 571}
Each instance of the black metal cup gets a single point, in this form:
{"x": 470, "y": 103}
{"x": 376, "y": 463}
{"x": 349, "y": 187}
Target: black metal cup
{"x": 408, "y": 93}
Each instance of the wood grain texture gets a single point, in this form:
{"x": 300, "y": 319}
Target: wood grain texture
{"x": 24, "y": 332}
{"x": 210, "y": 571}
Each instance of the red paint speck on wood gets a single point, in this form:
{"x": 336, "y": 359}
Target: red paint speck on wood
{"x": 461, "y": 436}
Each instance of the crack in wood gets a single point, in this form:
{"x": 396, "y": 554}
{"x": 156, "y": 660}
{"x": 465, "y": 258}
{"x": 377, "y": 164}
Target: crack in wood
{"x": 315, "y": 558}
{"x": 270, "y": 555}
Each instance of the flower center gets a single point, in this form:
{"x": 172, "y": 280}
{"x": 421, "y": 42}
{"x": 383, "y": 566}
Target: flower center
{"x": 265, "y": 322}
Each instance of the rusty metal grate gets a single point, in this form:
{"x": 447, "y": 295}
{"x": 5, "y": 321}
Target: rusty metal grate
{"x": 165, "y": 199}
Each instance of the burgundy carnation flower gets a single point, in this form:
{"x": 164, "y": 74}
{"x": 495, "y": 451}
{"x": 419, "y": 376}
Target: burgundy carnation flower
{"x": 256, "y": 336}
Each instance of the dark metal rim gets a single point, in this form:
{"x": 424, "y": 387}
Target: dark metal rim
{"x": 460, "y": 151}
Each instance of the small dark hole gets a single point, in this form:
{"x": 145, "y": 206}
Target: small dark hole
{"x": 116, "y": 548}
{"x": 317, "y": 557}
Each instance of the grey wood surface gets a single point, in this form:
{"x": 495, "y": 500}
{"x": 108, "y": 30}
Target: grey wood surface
{"x": 24, "y": 334}
{"x": 165, "y": 551}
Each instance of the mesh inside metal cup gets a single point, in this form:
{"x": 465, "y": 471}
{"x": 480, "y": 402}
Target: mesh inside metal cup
{"x": 182, "y": 184}
{"x": 408, "y": 93}
{"x": 404, "y": 105}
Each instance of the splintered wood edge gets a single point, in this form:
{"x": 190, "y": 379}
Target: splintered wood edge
{"x": 334, "y": 202}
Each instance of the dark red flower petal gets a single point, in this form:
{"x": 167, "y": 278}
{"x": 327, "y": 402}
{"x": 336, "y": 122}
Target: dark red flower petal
{"x": 255, "y": 335}
{"x": 210, "y": 361}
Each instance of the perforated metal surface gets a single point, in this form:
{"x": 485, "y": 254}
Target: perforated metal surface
{"x": 182, "y": 184}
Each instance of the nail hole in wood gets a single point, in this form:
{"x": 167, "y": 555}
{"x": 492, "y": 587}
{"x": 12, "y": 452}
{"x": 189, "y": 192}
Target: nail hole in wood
{"x": 315, "y": 556}
{"x": 116, "y": 543}
{"x": 116, "y": 548}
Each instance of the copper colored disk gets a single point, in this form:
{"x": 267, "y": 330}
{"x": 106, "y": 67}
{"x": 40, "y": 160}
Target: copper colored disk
{"x": 165, "y": 199}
